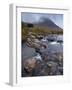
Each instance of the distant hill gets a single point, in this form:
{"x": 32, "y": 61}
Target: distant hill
{"x": 43, "y": 23}
{"x": 47, "y": 23}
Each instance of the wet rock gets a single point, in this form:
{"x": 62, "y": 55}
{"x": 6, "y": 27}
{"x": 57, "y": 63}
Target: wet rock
{"x": 39, "y": 37}
{"x": 29, "y": 65}
{"x": 41, "y": 69}
{"x": 59, "y": 56}
{"x": 32, "y": 41}
{"x": 47, "y": 56}
{"x": 38, "y": 57}
{"x": 58, "y": 73}
{"x": 51, "y": 37}
{"x": 60, "y": 69}
{"x": 44, "y": 45}
{"x": 36, "y": 67}
{"x": 53, "y": 67}
{"x": 50, "y": 56}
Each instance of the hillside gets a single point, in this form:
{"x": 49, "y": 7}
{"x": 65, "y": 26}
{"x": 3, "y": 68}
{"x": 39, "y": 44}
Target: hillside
{"x": 44, "y": 27}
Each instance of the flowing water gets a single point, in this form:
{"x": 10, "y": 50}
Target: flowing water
{"x": 54, "y": 46}
{"x": 51, "y": 58}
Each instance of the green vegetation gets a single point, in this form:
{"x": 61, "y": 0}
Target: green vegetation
{"x": 36, "y": 31}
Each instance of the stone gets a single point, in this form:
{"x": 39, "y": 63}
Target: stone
{"x": 53, "y": 67}
{"x": 32, "y": 41}
{"x": 41, "y": 69}
{"x": 60, "y": 69}
{"x": 29, "y": 65}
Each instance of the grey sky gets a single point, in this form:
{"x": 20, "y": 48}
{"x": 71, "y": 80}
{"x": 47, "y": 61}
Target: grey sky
{"x": 35, "y": 17}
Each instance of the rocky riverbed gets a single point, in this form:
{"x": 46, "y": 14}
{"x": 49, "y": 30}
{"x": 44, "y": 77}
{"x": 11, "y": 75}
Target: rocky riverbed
{"x": 42, "y": 57}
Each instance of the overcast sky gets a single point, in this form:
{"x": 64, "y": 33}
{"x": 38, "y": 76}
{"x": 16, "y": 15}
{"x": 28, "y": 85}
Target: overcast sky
{"x": 35, "y": 17}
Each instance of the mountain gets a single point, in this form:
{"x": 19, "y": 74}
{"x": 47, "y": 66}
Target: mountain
{"x": 47, "y": 23}
{"x": 43, "y": 23}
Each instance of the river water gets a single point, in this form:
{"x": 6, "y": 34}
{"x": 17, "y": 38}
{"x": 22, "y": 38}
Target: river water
{"x": 54, "y": 46}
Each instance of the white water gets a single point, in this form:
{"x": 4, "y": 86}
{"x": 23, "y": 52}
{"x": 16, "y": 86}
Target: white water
{"x": 38, "y": 57}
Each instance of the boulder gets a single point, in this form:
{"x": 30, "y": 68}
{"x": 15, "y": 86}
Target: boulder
{"x": 41, "y": 69}
{"x": 29, "y": 64}
{"x": 53, "y": 67}
{"x": 35, "y": 43}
